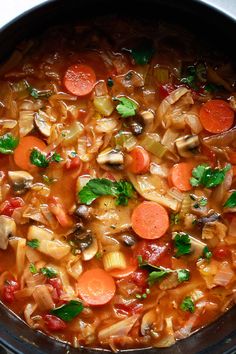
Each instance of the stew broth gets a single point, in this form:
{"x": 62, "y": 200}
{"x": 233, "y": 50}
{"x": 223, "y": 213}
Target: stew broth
{"x": 117, "y": 184}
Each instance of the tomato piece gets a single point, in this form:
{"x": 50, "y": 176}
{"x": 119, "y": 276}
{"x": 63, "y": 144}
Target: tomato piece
{"x": 8, "y": 291}
{"x": 210, "y": 154}
{"x": 10, "y": 205}
{"x": 165, "y": 90}
{"x": 140, "y": 278}
{"x": 158, "y": 253}
{"x": 74, "y": 163}
{"x": 221, "y": 252}
{"x": 129, "y": 309}
{"x": 54, "y": 323}
{"x": 57, "y": 288}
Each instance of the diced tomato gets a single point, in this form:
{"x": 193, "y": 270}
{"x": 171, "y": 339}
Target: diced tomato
{"x": 8, "y": 291}
{"x": 109, "y": 176}
{"x": 210, "y": 154}
{"x": 54, "y": 323}
{"x": 132, "y": 308}
{"x": 58, "y": 210}
{"x": 165, "y": 90}
{"x": 221, "y": 252}
{"x": 156, "y": 252}
{"x": 10, "y": 205}
{"x": 74, "y": 163}
{"x": 57, "y": 289}
{"x": 140, "y": 278}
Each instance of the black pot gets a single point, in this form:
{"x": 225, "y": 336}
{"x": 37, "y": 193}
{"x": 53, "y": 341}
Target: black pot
{"x": 208, "y": 22}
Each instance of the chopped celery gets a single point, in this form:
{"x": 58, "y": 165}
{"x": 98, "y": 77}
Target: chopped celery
{"x": 103, "y": 104}
{"x": 114, "y": 260}
{"x": 152, "y": 144}
{"x": 125, "y": 140}
{"x": 161, "y": 74}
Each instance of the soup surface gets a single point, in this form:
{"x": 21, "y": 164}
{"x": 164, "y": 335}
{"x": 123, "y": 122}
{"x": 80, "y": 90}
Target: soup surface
{"x": 117, "y": 184}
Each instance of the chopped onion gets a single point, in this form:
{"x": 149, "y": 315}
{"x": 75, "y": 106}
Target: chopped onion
{"x": 120, "y": 328}
{"x": 8, "y": 123}
{"x": 224, "y": 274}
{"x": 43, "y": 298}
{"x": 106, "y": 125}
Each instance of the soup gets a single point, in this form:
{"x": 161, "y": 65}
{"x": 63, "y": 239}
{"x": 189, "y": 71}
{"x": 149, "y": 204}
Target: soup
{"x": 117, "y": 184}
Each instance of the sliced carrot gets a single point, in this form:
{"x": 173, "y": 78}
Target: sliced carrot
{"x": 216, "y": 116}
{"x": 180, "y": 175}
{"x": 23, "y": 151}
{"x": 79, "y": 79}
{"x": 140, "y": 160}
{"x": 150, "y": 220}
{"x": 96, "y": 287}
{"x": 121, "y": 273}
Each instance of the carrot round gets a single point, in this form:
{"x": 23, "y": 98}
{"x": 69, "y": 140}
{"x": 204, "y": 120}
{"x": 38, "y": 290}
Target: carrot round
{"x": 140, "y": 160}
{"x": 150, "y": 220}
{"x": 216, "y": 116}
{"x": 96, "y": 287}
{"x": 180, "y": 175}
{"x": 121, "y": 273}
{"x": 79, "y": 79}
{"x": 23, "y": 151}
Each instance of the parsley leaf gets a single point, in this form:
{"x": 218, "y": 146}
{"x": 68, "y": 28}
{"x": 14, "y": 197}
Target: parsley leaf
{"x": 195, "y": 75}
{"x": 126, "y": 107}
{"x": 56, "y": 158}
{"x": 204, "y": 175}
{"x": 68, "y": 311}
{"x": 206, "y": 253}
{"x": 34, "y": 243}
{"x": 156, "y": 276}
{"x": 8, "y": 143}
{"x": 143, "y": 52}
{"x": 97, "y": 187}
{"x": 48, "y": 272}
{"x": 32, "y": 268}
{"x": 183, "y": 244}
{"x": 187, "y": 304}
{"x": 183, "y": 275}
{"x": 157, "y": 273}
{"x": 40, "y": 159}
{"x": 231, "y": 201}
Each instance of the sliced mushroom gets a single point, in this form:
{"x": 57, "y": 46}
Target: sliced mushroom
{"x": 136, "y": 124}
{"x": 7, "y": 229}
{"x": 207, "y": 219}
{"x": 111, "y": 158}
{"x": 21, "y": 181}
{"x": 81, "y": 239}
{"x": 148, "y": 118}
{"x": 83, "y": 211}
{"x": 90, "y": 252}
{"x": 128, "y": 240}
{"x": 43, "y": 123}
{"x": 187, "y": 145}
{"x": 147, "y": 321}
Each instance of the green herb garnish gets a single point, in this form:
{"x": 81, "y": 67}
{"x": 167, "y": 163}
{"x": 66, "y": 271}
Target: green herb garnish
{"x": 34, "y": 243}
{"x": 231, "y": 201}
{"x": 68, "y": 311}
{"x": 48, "y": 272}
{"x": 157, "y": 273}
{"x": 40, "y": 159}
{"x": 126, "y": 107}
{"x": 187, "y": 304}
{"x": 182, "y": 244}
{"x": 8, "y": 143}
{"x": 97, "y": 187}
{"x": 204, "y": 175}
{"x": 48, "y": 180}
{"x": 32, "y": 268}
{"x": 206, "y": 253}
